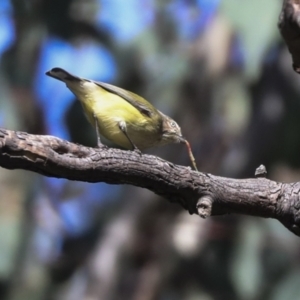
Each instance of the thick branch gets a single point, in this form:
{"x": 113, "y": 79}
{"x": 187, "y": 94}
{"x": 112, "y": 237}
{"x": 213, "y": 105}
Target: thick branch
{"x": 199, "y": 193}
{"x": 289, "y": 26}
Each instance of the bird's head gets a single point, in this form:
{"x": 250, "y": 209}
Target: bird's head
{"x": 171, "y": 132}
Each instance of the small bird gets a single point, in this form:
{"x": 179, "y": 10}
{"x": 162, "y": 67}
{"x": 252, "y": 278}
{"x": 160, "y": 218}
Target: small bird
{"x": 125, "y": 118}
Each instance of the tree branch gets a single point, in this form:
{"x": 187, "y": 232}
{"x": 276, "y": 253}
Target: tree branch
{"x": 289, "y": 27}
{"x": 199, "y": 193}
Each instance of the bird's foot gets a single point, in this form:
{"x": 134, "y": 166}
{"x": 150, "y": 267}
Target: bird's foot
{"x": 137, "y": 150}
{"x": 101, "y": 146}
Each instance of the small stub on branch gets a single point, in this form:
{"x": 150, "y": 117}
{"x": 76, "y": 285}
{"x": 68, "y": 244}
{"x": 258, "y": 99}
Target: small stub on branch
{"x": 204, "y": 206}
{"x": 261, "y": 171}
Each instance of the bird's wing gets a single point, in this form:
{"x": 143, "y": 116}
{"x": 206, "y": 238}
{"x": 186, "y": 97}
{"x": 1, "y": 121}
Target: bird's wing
{"x": 141, "y": 105}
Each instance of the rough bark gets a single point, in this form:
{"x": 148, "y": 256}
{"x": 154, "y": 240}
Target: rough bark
{"x": 199, "y": 193}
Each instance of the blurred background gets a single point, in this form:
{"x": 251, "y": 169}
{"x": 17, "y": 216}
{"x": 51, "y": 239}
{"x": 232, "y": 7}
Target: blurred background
{"x": 222, "y": 71}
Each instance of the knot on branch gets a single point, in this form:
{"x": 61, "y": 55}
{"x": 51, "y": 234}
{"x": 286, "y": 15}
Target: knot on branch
{"x": 204, "y": 206}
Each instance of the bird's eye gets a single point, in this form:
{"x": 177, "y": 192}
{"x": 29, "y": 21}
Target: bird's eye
{"x": 173, "y": 124}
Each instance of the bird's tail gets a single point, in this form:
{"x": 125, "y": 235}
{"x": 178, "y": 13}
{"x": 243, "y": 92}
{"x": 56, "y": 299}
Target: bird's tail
{"x": 62, "y": 75}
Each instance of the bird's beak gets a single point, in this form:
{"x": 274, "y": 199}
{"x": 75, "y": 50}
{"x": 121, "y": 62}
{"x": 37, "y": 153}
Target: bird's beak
{"x": 51, "y": 74}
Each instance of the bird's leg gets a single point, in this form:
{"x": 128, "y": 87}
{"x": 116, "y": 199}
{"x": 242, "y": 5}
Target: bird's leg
{"x": 123, "y": 128}
{"x": 99, "y": 143}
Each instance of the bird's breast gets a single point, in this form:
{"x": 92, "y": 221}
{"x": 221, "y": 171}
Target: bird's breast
{"x": 110, "y": 110}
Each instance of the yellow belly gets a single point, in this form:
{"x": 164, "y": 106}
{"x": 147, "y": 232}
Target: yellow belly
{"x": 110, "y": 109}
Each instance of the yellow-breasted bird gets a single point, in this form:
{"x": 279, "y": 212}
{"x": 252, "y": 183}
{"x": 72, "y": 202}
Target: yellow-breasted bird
{"x": 125, "y": 118}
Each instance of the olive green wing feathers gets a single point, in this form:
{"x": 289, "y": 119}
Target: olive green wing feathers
{"x": 135, "y": 100}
